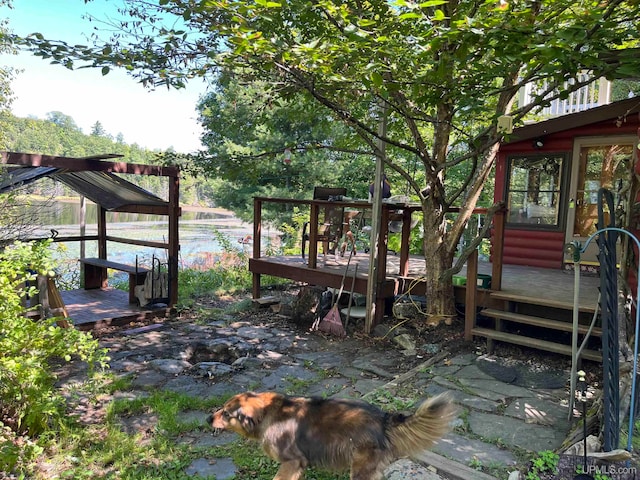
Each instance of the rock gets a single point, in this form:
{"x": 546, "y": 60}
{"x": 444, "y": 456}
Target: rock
{"x": 214, "y": 369}
{"x": 221, "y": 468}
{"x": 406, "y": 342}
{"x": 169, "y": 365}
{"x": 380, "y": 331}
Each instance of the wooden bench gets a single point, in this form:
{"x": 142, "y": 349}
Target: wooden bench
{"x": 95, "y": 274}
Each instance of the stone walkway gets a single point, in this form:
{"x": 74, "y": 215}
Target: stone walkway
{"x": 238, "y": 353}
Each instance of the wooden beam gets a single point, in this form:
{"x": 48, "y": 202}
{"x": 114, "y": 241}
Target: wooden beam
{"x": 94, "y": 164}
{"x": 497, "y": 254}
{"x": 257, "y": 241}
{"x": 102, "y": 232}
{"x": 141, "y": 243}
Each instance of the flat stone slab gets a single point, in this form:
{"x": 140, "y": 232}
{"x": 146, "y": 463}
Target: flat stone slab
{"x": 512, "y": 431}
{"x": 220, "y": 468}
{"x": 286, "y": 375}
{"x": 465, "y": 450}
{"x": 406, "y": 469}
{"x": 540, "y": 412}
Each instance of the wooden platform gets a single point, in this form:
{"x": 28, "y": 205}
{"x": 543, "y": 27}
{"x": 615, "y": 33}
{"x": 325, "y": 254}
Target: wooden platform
{"x": 546, "y": 287}
{"x": 110, "y": 306}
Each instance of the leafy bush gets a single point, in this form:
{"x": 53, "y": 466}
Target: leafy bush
{"x": 29, "y": 401}
{"x": 545, "y": 462}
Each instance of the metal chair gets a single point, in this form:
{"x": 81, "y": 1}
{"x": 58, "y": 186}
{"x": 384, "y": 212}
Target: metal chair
{"x": 330, "y": 220}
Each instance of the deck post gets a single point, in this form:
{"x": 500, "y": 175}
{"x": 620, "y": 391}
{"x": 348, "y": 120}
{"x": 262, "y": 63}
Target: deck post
{"x": 470, "y": 295}
{"x": 257, "y": 241}
{"x": 313, "y": 234}
{"x": 404, "y": 243}
{"x": 498, "y": 249}
{"x": 381, "y": 269}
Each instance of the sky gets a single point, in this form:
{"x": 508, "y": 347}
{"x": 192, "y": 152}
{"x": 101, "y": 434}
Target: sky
{"x": 157, "y": 119}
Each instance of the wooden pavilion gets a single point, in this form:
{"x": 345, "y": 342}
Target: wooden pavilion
{"x": 102, "y": 181}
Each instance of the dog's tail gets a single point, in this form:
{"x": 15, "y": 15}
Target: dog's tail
{"x": 418, "y": 432}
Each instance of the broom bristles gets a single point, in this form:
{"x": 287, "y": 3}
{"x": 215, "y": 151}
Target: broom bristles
{"x": 332, "y": 323}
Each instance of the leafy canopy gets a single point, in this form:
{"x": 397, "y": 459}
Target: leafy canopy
{"x": 439, "y": 72}
{"x": 445, "y": 69}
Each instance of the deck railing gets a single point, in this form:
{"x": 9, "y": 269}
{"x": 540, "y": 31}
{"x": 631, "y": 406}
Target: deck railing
{"x": 405, "y": 211}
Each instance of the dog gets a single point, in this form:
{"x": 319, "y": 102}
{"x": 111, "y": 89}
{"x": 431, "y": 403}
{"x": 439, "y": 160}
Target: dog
{"x": 332, "y": 434}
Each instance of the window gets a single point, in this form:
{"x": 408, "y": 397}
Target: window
{"x": 533, "y": 190}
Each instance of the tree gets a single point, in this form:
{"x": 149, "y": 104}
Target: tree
{"x": 441, "y": 72}
{"x": 63, "y": 121}
{"x": 97, "y": 130}
{"x": 247, "y": 131}
{"x": 6, "y": 76}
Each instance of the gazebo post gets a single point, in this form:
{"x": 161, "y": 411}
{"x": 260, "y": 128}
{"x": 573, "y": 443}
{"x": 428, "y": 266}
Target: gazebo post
{"x": 174, "y": 244}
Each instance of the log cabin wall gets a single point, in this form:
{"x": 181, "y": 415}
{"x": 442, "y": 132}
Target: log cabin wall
{"x": 531, "y": 245}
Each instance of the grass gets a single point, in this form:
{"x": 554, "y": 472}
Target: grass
{"x": 104, "y": 451}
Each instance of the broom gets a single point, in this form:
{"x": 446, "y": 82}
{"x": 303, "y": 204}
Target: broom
{"x": 332, "y": 323}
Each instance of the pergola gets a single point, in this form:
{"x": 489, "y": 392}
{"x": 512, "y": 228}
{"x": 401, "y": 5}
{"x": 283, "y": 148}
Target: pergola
{"x": 97, "y": 179}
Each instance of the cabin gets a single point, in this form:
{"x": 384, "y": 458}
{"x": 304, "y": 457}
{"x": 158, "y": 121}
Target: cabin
{"x": 548, "y": 175}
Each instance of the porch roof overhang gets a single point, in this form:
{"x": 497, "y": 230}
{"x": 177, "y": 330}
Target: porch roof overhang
{"x": 614, "y": 111}
{"x": 105, "y": 188}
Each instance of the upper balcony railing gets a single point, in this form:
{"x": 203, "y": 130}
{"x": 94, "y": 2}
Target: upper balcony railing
{"x": 586, "y": 97}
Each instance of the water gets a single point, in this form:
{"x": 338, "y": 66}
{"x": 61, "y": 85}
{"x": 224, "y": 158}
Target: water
{"x": 197, "y": 233}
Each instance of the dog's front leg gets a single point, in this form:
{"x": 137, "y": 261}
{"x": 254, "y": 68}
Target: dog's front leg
{"x": 291, "y": 470}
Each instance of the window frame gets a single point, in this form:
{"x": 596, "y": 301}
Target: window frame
{"x": 562, "y": 190}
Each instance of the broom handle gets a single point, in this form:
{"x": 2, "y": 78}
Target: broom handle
{"x": 344, "y": 276}
{"x": 353, "y": 285}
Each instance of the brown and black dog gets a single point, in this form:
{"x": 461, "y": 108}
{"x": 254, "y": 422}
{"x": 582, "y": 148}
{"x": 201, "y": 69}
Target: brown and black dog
{"x": 337, "y": 435}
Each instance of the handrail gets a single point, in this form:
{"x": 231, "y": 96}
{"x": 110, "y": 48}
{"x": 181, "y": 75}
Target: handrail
{"x": 407, "y": 209}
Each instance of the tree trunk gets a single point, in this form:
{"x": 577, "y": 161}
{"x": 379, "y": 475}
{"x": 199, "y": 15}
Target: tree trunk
{"x": 439, "y": 290}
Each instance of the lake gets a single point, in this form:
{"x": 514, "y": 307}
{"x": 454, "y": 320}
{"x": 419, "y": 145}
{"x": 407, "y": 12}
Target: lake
{"x": 198, "y": 232}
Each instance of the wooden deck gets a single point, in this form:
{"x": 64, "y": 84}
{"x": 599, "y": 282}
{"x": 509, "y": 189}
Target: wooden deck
{"x": 539, "y": 286}
{"x": 103, "y": 307}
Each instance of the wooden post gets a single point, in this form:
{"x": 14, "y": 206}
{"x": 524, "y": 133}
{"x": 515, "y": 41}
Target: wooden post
{"x": 498, "y": 249}
{"x": 257, "y": 241}
{"x": 404, "y": 243}
{"x": 174, "y": 241}
{"x": 314, "y": 214}
{"x": 102, "y": 232}
{"x": 471, "y": 295}
{"x": 381, "y": 267}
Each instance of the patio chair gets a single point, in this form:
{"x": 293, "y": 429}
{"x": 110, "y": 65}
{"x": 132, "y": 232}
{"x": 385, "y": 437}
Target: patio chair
{"x": 330, "y": 220}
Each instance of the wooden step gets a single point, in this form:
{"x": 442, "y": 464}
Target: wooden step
{"x": 534, "y": 343}
{"x": 543, "y": 302}
{"x": 539, "y": 322}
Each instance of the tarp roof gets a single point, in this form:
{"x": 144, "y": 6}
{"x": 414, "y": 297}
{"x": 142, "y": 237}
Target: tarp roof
{"x": 106, "y": 189}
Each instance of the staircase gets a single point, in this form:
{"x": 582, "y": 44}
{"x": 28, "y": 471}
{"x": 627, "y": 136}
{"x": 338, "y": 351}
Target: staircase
{"x": 536, "y": 323}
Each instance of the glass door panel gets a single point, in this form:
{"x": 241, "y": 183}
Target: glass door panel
{"x": 597, "y": 164}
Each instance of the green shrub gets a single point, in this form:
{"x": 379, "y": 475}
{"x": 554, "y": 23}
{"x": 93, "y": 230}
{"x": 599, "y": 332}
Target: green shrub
{"x": 545, "y": 462}
{"x": 29, "y": 350}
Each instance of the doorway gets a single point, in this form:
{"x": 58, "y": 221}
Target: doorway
{"x": 598, "y": 162}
